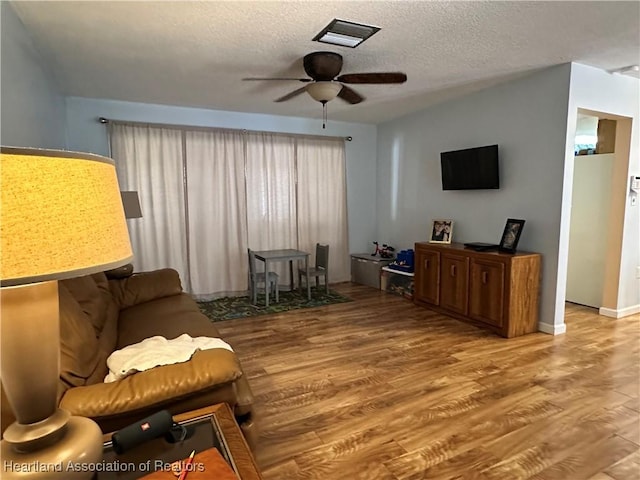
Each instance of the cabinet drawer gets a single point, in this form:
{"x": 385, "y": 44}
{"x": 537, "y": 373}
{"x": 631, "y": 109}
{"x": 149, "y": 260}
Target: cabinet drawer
{"x": 486, "y": 295}
{"x": 454, "y": 282}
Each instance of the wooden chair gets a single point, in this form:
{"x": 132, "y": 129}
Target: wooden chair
{"x": 320, "y": 270}
{"x": 269, "y": 279}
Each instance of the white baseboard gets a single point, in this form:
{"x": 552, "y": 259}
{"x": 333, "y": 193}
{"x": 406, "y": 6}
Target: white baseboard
{"x": 552, "y": 329}
{"x": 619, "y": 313}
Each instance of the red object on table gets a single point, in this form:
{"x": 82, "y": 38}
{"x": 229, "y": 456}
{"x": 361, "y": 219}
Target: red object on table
{"x": 187, "y": 464}
{"x": 206, "y": 465}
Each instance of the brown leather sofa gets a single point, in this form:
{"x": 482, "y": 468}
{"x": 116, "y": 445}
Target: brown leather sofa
{"x": 99, "y": 315}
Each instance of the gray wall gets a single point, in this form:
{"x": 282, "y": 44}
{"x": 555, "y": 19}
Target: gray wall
{"x": 32, "y": 106}
{"x": 527, "y": 118}
{"x": 88, "y": 135}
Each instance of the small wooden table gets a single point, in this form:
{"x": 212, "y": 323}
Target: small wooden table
{"x": 212, "y": 426}
{"x": 284, "y": 255}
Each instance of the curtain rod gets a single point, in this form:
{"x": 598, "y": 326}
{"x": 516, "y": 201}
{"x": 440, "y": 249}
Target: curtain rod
{"x": 191, "y": 127}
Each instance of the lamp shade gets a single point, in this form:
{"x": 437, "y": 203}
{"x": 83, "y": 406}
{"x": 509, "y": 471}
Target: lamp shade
{"x": 324, "y": 91}
{"x": 61, "y": 216}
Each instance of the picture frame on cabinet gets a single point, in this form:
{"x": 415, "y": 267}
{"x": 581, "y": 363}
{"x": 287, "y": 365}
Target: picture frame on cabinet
{"x": 511, "y": 235}
{"x": 441, "y": 231}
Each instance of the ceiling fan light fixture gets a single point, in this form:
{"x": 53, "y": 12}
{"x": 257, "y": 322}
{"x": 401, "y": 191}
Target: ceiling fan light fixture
{"x": 324, "y": 91}
{"x": 345, "y": 34}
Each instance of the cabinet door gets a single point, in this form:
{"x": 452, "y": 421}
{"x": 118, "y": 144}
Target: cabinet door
{"x": 454, "y": 281}
{"x": 427, "y": 276}
{"x": 487, "y": 291}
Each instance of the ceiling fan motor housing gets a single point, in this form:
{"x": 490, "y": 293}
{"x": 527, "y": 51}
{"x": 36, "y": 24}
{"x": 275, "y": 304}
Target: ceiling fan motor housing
{"x": 322, "y": 66}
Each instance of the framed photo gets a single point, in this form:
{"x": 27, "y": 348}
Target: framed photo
{"x": 511, "y": 235}
{"x": 441, "y": 231}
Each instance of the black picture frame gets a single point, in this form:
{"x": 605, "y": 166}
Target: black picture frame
{"x": 511, "y": 235}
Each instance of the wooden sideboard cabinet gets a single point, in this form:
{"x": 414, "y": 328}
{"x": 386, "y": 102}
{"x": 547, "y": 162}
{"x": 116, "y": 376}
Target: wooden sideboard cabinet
{"x": 496, "y": 290}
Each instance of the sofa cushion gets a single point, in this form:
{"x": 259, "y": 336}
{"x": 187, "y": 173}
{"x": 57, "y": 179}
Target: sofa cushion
{"x": 78, "y": 343}
{"x": 106, "y": 346}
{"x": 93, "y": 297}
{"x": 168, "y": 317}
{"x": 144, "y": 287}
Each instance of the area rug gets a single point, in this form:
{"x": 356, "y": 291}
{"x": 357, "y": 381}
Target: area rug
{"x": 228, "y": 308}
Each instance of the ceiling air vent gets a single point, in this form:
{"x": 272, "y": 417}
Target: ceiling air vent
{"x": 346, "y": 34}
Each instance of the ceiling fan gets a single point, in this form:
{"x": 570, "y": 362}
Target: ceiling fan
{"x": 326, "y": 83}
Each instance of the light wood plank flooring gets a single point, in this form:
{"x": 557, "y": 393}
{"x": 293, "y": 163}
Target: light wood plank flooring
{"x": 381, "y": 389}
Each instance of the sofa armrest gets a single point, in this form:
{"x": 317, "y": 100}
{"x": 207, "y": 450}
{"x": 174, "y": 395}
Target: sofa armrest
{"x": 145, "y": 286}
{"x": 159, "y": 386}
{"x": 244, "y": 397}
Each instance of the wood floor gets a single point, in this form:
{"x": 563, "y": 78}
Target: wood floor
{"x": 381, "y": 389}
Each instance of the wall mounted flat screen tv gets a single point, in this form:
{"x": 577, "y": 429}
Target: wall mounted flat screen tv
{"x": 470, "y": 169}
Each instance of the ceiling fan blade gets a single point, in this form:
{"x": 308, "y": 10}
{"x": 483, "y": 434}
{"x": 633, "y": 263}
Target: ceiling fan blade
{"x": 349, "y": 95}
{"x": 279, "y": 78}
{"x": 290, "y": 95}
{"x": 380, "y": 77}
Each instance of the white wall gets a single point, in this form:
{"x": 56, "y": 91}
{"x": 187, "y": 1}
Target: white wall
{"x": 596, "y": 90}
{"x": 591, "y": 204}
{"x": 88, "y": 135}
{"x": 527, "y": 118}
{"x": 32, "y": 106}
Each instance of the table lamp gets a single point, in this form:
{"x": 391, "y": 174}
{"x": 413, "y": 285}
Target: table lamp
{"x": 61, "y": 216}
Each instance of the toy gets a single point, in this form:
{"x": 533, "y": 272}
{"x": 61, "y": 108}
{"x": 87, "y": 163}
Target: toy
{"x": 385, "y": 252}
{"x": 403, "y": 262}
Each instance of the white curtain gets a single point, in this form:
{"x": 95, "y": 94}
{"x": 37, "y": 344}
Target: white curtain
{"x": 207, "y": 195}
{"x": 217, "y": 213}
{"x": 322, "y": 202}
{"x": 271, "y": 195}
{"x": 150, "y": 161}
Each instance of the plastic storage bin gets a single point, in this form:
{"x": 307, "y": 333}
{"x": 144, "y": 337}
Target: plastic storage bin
{"x": 365, "y": 269}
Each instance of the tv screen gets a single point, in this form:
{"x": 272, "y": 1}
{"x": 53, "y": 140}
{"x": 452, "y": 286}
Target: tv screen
{"x": 470, "y": 169}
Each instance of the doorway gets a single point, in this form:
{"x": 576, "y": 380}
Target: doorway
{"x": 597, "y": 213}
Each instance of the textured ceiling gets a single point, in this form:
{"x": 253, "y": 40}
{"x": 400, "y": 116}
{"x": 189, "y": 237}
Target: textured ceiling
{"x": 196, "y": 53}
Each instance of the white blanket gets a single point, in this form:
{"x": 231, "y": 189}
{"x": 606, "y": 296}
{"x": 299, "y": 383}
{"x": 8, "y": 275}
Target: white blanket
{"x": 156, "y": 351}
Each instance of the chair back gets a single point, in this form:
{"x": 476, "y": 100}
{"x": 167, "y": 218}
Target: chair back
{"x": 252, "y": 262}
{"x": 322, "y": 256}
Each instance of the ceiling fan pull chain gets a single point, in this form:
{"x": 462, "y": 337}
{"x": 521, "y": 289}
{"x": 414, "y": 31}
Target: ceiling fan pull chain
{"x": 324, "y": 114}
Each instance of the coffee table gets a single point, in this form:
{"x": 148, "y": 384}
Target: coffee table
{"x": 208, "y": 427}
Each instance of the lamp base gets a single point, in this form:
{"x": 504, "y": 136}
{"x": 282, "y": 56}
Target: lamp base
{"x": 73, "y": 456}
